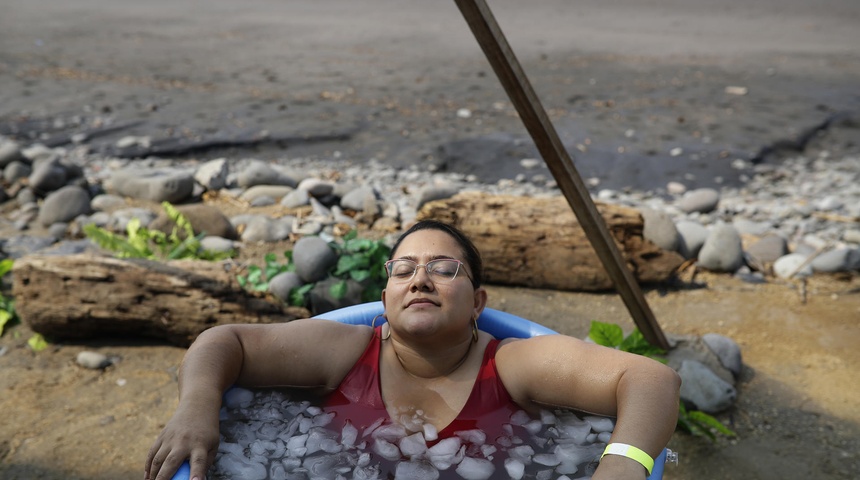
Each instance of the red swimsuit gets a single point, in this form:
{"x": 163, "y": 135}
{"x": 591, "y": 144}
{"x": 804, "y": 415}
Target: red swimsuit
{"x": 358, "y": 398}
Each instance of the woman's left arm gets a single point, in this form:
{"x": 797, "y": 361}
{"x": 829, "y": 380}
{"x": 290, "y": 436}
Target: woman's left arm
{"x": 562, "y": 371}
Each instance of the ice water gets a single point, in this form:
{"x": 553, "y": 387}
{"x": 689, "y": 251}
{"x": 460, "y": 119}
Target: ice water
{"x": 279, "y": 435}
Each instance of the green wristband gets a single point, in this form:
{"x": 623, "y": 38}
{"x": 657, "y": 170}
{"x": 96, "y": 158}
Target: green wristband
{"x": 630, "y": 451}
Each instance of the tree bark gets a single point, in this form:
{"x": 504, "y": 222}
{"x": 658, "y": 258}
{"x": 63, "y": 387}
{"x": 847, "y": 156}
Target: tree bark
{"x": 86, "y": 295}
{"x": 538, "y": 242}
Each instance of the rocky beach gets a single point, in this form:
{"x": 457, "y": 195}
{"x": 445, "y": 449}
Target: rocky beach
{"x": 733, "y": 128}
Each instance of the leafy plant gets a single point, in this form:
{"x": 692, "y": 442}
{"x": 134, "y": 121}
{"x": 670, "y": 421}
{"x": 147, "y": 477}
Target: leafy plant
{"x": 694, "y": 422}
{"x": 7, "y": 305}
{"x": 141, "y": 242}
{"x": 359, "y": 259}
{"x": 363, "y": 261}
{"x": 257, "y": 279}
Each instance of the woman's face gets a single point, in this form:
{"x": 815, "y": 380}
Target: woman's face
{"x": 423, "y": 307}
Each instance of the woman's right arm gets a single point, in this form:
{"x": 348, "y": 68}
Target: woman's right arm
{"x": 301, "y": 353}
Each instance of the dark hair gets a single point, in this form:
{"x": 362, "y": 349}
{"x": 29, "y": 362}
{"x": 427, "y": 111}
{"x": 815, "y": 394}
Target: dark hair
{"x": 470, "y": 251}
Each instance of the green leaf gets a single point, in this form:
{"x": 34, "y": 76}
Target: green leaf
{"x": 5, "y": 317}
{"x": 298, "y": 295}
{"x": 37, "y": 342}
{"x": 707, "y": 421}
{"x": 359, "y": 275}
{"x": 606, "y": 334}
{"x": 338, "y": 290}
{"x": 6, "y": 266}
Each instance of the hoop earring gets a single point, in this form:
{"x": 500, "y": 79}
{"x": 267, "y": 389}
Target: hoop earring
{"x": 373, "y": 325}
{"x": 475, "y": 330}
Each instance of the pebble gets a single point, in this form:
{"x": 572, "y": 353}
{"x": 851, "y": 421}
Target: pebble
{"x": 92, "y": 360}
{"x": 722, "y": 251}
{"x": 704, "y": 389}
{"x": 702, "y": 200}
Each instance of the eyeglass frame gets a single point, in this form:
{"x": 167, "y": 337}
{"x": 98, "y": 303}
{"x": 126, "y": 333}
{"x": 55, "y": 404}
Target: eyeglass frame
{"x": 430, "y": 275}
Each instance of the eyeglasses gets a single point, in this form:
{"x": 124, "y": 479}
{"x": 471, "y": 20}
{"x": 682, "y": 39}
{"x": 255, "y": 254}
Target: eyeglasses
{"x": 441, "y": 270}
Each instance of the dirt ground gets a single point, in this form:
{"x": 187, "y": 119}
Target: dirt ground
{"x": 623, "y": 83}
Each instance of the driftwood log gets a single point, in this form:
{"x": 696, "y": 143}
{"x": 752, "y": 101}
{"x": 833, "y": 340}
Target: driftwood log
{"x": 87, "y": 295}
{"x": 538, "y": 242}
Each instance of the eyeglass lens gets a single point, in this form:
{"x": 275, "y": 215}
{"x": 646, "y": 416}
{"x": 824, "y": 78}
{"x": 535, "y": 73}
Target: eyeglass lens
{"x": 442, "y": 269}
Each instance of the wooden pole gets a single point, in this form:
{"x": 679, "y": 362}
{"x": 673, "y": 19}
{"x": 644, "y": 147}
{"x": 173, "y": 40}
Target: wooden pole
{"x": 495, "y": 46}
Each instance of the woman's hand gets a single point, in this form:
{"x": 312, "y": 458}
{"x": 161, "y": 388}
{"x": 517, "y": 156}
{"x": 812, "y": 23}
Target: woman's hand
{"x": 191, "y": 434}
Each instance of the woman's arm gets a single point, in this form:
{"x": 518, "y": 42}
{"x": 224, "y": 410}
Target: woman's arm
{"x": 303, "y": 353}
{"x": 561, "y": 371}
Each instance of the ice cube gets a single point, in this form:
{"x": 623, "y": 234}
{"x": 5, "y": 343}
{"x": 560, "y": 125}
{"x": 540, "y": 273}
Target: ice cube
{"x": 348, "y": 435}
{"x": 543, "y": 475}
{"x": 430, "y": 432}
{"x": 234, "y": 466}
{"x": 547, "y": 417}
{"x": 445, "y": 453}
{"x": 413, "y": 445}
{"x": 603, "y": 437}
{"x": 600, "y": 424}
{"x": 520, "y": 417}
{"x": 366, "y": 473}
{"x": 533, "y": 427}
{"x": 372, "y": 427}
{"x": 522, "y": 454}
{"x": 238, "y": 397}
{"x": 386, "y": 449}
{"x": 488, "y": 450}
{"x": 515, "y": 468}
{"x": 391, "y": 432}
{"x": 416, "y": 471}
{"x": 548, "y": 459}
{"x": 323, "y": 419}
{"x": 476, "y": 436}
{"x": 475, "y": 469}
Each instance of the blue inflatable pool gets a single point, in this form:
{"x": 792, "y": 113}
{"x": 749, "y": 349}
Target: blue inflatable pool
{"x": 495, "y": 322}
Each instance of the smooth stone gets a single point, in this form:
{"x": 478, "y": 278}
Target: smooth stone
{"x": 702, "y": 200}
{"x": 25, "y": 196}
{"x": 704, "y": 389}
{"x": 316, "y": 187}
{"x": 296, "y": 199}
{"x": 786, "y": 265}
{"x": 9, "y": 152}
{"x": 217, "y": 244}
{"x": 283, "y": 283}
{"x": 722, "y": 251}
{"x": 691, "y": 238}
{"x": 203, "y": 218}
{"x": 21, "y": 245}
{"x": 727, "y": 350}
{"x": 258, "y": 229}
{"x": 359, "y": 199}
{"x": 262, "y": 201}
{"x": 749, "y": 227}
{"x": 15, "y": 171}
{"x": 106, "y": 202}
{"x": 119, "y": 218}
{"x": 92, "y": 360}
{"x": 261, "y": 173}
{"x": 212, "y": 175}
{"x": 64, "y": 205}
{"x": 660, "y": 229}
{"x": 313, "y": 258}
{"x": 430, "y": 194}
{"x": 47, "y": 176}
{"x": 155, "y": 185}
{"x": 851, "y": 236}
{"x": 768, "y": 248}
{"x": 276, "y": 192}
{"x": 838, "y": 260}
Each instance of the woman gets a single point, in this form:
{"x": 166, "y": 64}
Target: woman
{"x": 424, "y": 361}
